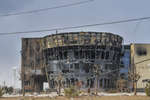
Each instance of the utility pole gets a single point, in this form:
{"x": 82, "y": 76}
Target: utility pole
{"x": 23, "y": 84}
{"x": 23, "y": 80}
{"x": 22, "y": 75}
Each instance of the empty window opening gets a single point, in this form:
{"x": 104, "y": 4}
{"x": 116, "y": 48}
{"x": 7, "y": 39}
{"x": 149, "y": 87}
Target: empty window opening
{"x": 141, "y": 51}
{"x": 103, "y": 55}
{"x": 107, "y": 55}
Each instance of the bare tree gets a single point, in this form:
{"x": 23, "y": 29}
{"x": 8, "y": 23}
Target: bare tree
{"x": 134, "y": 77}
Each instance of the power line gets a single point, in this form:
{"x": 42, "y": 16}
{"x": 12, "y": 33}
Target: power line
{"x": 45, "y": 9}
{"x": 81, "y": 26}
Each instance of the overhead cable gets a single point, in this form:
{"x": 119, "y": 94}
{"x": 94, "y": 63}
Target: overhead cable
{"x": 46, "y": 9}
{"x": 75, "y": 27}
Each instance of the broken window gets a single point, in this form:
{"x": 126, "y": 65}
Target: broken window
{"x": 103, "y": 55}
{"x": 92, "y": 54}
{"x": 75, "y": 39}
{"x": 60, "y": 55}
{"x": 76, "y": 54}
{"x": 141, "y": 51}
{"x": 85, "y": 54}
{"x": 71, "y": 66}
{"x": 72, "y": 81}
{"x": 106, "y": 67}
{"x": 118, "y": 56}
{"x": 114, "y": 57}
{"x": 76, "y": 66}
{"x": 92, "y": 83}
{"x": 107, "y": 54}
{"x": 65, "y": 55}
{"x": 88, "y": 83}
{"x": 27, "y": 83}
{"x": 98, "y": 55}
{"x": 81, "y": 54}
{"x": 65, "y": 39}
{"x": 65, "y": 70}
{"x": 100, "y": 82}
{"x": 86, "y": 68}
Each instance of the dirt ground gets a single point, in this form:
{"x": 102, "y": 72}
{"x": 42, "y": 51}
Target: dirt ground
{"x": 83, "y": 98}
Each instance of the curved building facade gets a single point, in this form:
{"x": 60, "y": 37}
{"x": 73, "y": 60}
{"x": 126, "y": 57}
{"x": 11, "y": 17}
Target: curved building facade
{"x": 79, "y": 56}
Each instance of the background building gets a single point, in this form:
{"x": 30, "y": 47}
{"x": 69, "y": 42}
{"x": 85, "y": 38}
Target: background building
{"x": 140, "y": 61}
{"x": 125, "y": 61}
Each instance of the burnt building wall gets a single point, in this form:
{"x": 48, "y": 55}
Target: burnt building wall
{"x": 73, "y": 56}
{"x": 32, "y": 63}
{"x": 140, "y": 62}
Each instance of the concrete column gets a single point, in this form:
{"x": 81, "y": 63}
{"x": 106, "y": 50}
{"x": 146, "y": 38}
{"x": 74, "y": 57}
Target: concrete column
{"x": 98, "y": 84}
{"x": 103, "y": 83}
{"x": 106, "y": 83}
{"x": 111, "y": 83}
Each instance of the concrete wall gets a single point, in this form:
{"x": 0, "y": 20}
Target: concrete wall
{"x": 32, "y": 62}
{"x": 140, "y": 57}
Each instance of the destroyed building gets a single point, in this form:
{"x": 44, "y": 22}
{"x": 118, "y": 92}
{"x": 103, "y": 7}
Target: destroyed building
{"x": 87, "y": 57}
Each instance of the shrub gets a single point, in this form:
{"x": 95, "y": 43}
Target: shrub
{"x": 1, "y": 92}
{"x": 71, "y": 92}
{"x": 112, "y": 91}
{"x": 147, "y": 89}
{"x": 10, "y": 90}
{"x": 7, "y": 90}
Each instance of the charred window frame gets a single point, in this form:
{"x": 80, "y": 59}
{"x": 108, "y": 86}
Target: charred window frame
{"x": 27, "y": 83}
{"x": 87, "y": 39}
{"x": 65, "y": 54}
{"x": 107, "y": 55}
{"x": 93, "y": 54}
{"x": 65, "y": 38}
{"x": 114, "y": 56}
{"x": 75, "y": 38}
{"x": 103, "y": 55}
{"x": 76, "y": 54}
{"x": 76, "y": 66}
{"x": 141, "y": 51}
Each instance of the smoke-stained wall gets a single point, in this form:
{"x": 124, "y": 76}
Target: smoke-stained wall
{"x": 74, "y": 56}
{"x": 140, "y": 58}
{"x": 32, "y": 60}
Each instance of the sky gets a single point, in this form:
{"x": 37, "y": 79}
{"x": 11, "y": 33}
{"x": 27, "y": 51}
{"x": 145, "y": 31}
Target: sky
{"x": 98, "y": 11}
